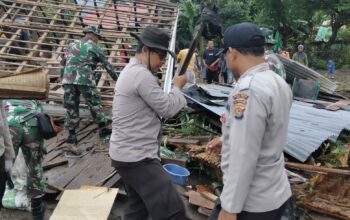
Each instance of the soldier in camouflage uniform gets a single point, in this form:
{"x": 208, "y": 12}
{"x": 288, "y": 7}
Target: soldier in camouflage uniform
{"x": 79, "y": 78}
{"x": 25, "y": 135}
{"x": 274, "y": 62}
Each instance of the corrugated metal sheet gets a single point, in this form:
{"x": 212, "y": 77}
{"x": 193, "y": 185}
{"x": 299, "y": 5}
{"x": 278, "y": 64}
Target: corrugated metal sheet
{"x": 308, "y": 128}
{"x": 295, "y": 69}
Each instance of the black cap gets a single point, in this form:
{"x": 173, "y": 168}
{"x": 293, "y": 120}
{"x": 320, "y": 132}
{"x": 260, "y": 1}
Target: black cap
{"x": 243, "y": 35}
{"x": 155, "y": 38}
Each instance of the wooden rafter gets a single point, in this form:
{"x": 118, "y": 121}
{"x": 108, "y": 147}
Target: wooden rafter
{"x": 53, "y": 24}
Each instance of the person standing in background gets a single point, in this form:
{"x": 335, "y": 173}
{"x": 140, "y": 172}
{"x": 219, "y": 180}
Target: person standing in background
{"x": 191, "y": 69}
{"x": 211, "y": 63}
{"x": 300, "y": 56}
{"x": 331, "y": 68}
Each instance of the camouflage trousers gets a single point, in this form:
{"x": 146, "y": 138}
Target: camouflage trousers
{"x": 72, "y": 100}
{"x": 27, "y": 137}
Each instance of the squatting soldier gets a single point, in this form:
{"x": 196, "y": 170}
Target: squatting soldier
{"x": 79, "y": 78}
{"x": 25, "y": 135}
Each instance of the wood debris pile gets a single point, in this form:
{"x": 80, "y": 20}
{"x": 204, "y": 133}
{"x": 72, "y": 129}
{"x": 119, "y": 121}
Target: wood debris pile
{"x": 327, "y": 194}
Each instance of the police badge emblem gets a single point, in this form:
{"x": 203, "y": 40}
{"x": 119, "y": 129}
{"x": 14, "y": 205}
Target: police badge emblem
{"x": 239, "y": 105}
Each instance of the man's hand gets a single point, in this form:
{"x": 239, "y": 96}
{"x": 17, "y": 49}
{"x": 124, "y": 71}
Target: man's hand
{"x": 8, "y": 166}
{"x": 180, "y": 81}
{"x": 214, "y": 146}
{"x": 227, "y": 216}
{"x": 223, "y": 118}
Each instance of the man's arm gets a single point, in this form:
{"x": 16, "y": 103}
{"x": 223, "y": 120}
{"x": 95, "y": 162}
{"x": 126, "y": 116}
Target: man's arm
{"x": 165, "y": 105}
{"x": 204, "y": 57}
{"x": 216, "y": 61}
{"x": 246, "y": 132}
{"x": 103, "y": 59}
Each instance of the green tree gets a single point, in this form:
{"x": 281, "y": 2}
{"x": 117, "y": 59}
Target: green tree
{"x": 289, "y": 17}
{"x": 338, "y": 12}
{"x": 188, "y": 19}
{"x": 295, "y": 17}
{"x": 235, "y": 11}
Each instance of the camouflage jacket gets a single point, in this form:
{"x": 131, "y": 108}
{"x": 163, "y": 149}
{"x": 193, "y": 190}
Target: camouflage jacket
{"x": 21, "y": 111}
{"x": 20, "y": 114}
{"x": 275, "y": 64}
{"x": 82, "y": 59}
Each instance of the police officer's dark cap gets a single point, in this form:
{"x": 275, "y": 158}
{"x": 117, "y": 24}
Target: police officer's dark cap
{"x": 154, "y": 37}
{"x": 243, "y": 35}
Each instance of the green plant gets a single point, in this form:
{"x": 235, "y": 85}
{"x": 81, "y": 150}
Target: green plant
{"x": 333, "y": 155}
{"x": 191, "y": 124}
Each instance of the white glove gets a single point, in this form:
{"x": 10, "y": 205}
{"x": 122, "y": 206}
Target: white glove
{"x": 8, "y": 166}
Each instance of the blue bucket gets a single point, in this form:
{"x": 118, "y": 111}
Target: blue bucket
{"x": 178, "y": 175}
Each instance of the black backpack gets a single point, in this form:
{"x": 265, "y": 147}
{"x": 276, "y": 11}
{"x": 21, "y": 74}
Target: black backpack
{"x": 45, "y": 126}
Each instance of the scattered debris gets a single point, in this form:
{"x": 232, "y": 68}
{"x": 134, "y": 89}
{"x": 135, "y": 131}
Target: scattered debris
{"x": 327, "y": 194}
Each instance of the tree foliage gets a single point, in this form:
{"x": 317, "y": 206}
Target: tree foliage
{"x": 235, "y": 11}
{"x": 188, "y": 19}
{"x": 296, "y": 20}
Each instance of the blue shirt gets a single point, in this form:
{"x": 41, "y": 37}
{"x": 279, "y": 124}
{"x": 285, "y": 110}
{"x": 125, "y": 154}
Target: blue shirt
{"x": 331, "y": 66}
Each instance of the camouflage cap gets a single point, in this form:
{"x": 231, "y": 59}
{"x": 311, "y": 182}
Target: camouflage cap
{"x": 268, "y": 33}
{"x": 93, "y": 30}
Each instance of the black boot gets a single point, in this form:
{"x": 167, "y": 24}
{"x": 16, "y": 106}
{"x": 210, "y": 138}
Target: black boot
{"x": 38, "y": 209}
{"x": 104, "y": 132}
{"x": 72, "y": 138}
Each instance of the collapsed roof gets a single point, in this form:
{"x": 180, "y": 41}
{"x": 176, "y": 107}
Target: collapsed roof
{"x": 35, "y": 33}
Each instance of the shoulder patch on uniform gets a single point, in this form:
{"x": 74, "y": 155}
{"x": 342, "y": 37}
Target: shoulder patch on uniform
{"x": 239, "y": 102}
{"x": 244, "y": 83}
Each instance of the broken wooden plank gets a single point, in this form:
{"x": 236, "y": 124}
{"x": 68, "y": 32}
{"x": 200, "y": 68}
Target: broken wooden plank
{"x": 180, "y": 162}
{"x": 335, "y": 211}
{"x": 209, "y": 196}
{"x": 55, "y": 162}
{"x": 51, "y": 156}
{"x": 196, "y": 198}
{"x": 204, "y": 211}
{"x": 182, "y": 141}
{"x": 52, "y": 186}
{"x": 63, "y": 177}
{"x": 311, "y": 168}
{"x": 112, "y": 181}
{"x": 96, "y": 170}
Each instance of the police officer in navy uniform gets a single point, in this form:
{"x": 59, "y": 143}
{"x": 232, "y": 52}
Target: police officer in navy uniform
{"x": 254, "y": 133}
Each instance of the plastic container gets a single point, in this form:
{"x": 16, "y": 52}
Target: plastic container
{"x": 178, "y": 174}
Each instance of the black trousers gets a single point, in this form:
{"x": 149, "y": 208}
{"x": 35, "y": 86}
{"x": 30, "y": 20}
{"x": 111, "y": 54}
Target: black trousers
{"x": 150, "y": 191}
{"x": 286, "y": 211}
{"x": 2, "y": 178}
{"x": 212, "y": 76}
{"x": 224, "y": 75}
